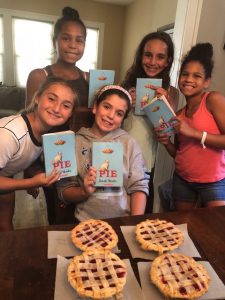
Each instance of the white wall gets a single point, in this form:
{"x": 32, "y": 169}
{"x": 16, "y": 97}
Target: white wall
{"x": 212, "y": 29}
{"x": 196, "y": 21}
{"x": 112, "y": 16}
{"x": 185, "y": 33}
{"x": 142, "y": 17}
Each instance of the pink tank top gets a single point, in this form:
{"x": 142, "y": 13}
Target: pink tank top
{"x": 192, "y": 161}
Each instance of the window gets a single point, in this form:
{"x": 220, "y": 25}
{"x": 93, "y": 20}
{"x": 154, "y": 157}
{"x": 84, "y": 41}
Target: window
{"x": 90, "y": 57}
{"x": 30, "y": 45}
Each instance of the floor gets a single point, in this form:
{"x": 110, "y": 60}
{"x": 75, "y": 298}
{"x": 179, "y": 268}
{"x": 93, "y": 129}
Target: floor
{"x": 29, "y": 212}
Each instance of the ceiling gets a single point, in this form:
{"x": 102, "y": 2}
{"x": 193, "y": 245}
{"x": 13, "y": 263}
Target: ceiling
{"x": 118, "y": 2}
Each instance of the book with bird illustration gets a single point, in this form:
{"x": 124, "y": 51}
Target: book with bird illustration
{"x": 144, "y": 93}
{"x": 159, "y": 113}
{"x": 59, "y": 153}
{"x": 97, "y": 79}
{"x": 107, "y": 158}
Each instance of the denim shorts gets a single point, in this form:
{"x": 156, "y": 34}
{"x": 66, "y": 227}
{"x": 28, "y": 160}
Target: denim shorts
{"x": 191, "y": 191}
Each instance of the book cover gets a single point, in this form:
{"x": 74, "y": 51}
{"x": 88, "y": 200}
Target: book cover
{"x": 144, "y": 93}
{"x": 97, "y": 79}
{"x": 59, "y": 153}
{"x": 107, "y": 158}
{"x": 159, "y": 112}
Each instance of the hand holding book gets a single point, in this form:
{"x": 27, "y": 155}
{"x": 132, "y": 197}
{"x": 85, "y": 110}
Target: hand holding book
{"x": 59, "y": 153}
{"x": 162, "y": 137}
{"x": 97, "y": 79}
{"x": 132, "y": 92}
{"x": 145, "y": 91}
{"x": 89, "y": 181}
{"x": 107, "y": 158}
{"x": 159, "y": 91}
{"x": 161, "y": 115}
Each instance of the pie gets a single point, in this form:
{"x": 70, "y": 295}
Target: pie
{"x": 179, "y": 276}
{"x": 158, "y": 235}
{"x": 98, "y": 274}
{"x": 96, "y": 234}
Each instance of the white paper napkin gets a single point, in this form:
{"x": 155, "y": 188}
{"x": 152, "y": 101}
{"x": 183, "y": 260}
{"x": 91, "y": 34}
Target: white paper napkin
{"x": 63, "y": 289}
{"x": 59, "y": 243}
{"x": 187, "y": 248}
{"x": 150, "y": 291}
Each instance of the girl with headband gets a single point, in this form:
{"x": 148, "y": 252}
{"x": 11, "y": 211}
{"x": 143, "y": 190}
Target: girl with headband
{"x": 111, "y": 107}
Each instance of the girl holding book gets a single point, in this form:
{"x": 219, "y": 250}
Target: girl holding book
{"x": 154, "y": 58}
{"x": 69, "y": 44}
{"x": 111, "y": 107}
{"x": 21, "y": 143}
{"x": 199, "y": 145}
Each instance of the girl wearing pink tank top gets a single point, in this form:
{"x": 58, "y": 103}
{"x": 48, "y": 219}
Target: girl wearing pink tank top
{"x": 198, "y": 148}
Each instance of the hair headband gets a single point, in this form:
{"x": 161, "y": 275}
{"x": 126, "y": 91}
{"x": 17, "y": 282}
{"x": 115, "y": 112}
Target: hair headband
{"x": 115, "y": 87}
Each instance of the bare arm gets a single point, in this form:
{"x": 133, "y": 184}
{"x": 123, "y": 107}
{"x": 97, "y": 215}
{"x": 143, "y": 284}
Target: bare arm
{"x": 171, "y": 149}
{"x": 165, "y": 140}
{"x": 138, "y": 203}
{"x": 35, "y": 78}
{"x": 76, "y": 194}
{"x": 38, "y": 180}
{"x": 216, "y": 105}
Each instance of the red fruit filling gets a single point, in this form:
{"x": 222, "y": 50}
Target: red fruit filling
{"x": 183, "y": 291}
{"x": 121, "y": 274}
{"x": 164, "y": 281}
{"x": 196, "y": 286}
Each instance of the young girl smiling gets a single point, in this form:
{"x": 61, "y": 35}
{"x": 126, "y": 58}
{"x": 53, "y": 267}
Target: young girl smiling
{"x": 111, "y": 106}
{"x": 21, "y": 145}
{"x": 200, "y": 140}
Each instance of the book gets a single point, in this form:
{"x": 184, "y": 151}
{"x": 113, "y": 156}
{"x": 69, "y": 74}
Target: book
{"x": 159, "y": 112}
{"x": 59, "y": 153}
{"x": 107, "y": 158}
{"x": 97, "y": 79}
{"x": 144, "y": 94}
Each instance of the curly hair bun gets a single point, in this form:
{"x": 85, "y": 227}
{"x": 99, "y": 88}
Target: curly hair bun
{"x": 200, "y": 50}
{"x": 70, "y": 13}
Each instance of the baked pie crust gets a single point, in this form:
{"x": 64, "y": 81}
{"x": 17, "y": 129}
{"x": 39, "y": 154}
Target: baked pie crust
{"x": 93, "y": 233}
{"x": 158, "y": 235}
{"x": 179, "y": 276}
{"x": 98, "y": 274}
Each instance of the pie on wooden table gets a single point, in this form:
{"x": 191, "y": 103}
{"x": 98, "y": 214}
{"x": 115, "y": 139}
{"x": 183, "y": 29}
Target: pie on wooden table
{"x": 93, "y": 233}
{"x": 158, "y": 235}
{"x": 179, "y": 276}
{"x": 98, "y": 274}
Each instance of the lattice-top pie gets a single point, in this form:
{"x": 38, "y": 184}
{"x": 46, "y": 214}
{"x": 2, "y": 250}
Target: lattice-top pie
{"x": 98, "y": 274}
{"x": 179, "y": 276}
{"x": 158, "y": 235}
{"x": 96, "y": 234}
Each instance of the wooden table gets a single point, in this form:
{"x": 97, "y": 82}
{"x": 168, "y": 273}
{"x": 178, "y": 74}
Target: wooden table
{"x": 27, "y": 274}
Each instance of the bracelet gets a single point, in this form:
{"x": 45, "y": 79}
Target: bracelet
{"x": 204, "y": 135}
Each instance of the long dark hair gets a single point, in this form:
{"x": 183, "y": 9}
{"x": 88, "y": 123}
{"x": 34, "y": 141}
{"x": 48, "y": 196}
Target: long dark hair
{"x": 137, "y": 71}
